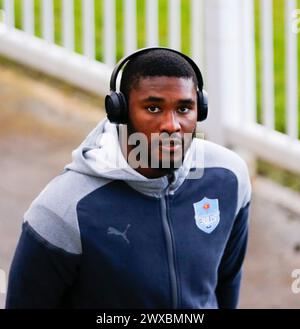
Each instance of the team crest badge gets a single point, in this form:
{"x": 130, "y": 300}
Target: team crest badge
{"x": 207, "y": 214}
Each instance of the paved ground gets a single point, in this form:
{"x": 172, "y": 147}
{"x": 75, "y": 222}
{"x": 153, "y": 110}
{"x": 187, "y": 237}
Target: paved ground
{"x": 39, "y": 127}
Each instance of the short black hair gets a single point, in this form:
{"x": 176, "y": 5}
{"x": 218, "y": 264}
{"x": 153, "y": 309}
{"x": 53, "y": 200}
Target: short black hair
{"x": 155, "y": 63}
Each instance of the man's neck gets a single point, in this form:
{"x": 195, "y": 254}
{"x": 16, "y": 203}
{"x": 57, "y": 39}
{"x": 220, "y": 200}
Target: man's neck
{"x": 145, "y": 170}
{"x": 152, "y": 172}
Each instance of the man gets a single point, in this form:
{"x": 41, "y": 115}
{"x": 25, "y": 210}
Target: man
{"x": 158, "y": 229}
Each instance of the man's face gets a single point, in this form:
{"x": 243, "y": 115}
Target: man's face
{"x": 160, "y": 107}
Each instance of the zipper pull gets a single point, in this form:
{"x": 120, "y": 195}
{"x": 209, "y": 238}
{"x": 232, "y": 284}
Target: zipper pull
{"x": 171, "y": 177}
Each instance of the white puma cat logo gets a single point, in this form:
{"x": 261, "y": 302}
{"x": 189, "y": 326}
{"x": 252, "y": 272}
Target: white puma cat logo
{"x": 112, "y": 230}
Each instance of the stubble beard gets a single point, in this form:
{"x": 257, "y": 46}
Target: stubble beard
{"x": 155, "y": 155}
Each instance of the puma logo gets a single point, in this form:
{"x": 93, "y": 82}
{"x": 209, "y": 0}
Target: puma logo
{"x": 112, "y": 230}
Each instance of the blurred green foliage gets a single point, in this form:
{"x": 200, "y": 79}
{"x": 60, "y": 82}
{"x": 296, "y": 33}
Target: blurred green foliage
{"x": 279, "y": 175}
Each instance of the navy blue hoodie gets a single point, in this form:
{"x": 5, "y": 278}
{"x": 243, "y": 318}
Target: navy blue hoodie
{"x": 100, "y": 235}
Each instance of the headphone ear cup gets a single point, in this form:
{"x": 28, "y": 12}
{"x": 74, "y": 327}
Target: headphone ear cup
{"x": 116, "y": 107}
{"x": 202, "y": 105}
{"x": 123, "y": 108}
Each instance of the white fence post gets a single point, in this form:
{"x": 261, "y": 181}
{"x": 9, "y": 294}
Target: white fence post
{"x": 248, "y": 107}
{"x": 9, "y": 13}
{"x": 28, "y": 16}
{"x": 48, "y": 20}
{"x": 152, "y": 23}
{"x": 130, "y": 26}
{"x": 213, "y": 126}
{"x": 291, "y": 70}
{"x": 222, "y": 65}
{"x": 68, "y": 24}
{"x": 88, "y": 28}
{"x": 227, "y": 79}
{"x": 197, "y": 32}
{"x": 174, "y": 24}
{"x": 109, "y": 18}
{"x": 267, "y": 63}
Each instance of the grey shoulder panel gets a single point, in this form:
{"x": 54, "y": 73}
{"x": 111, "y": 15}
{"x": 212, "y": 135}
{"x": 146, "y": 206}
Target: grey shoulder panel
{"x": 220, "y": 157}
{"x": 53, "y": 213}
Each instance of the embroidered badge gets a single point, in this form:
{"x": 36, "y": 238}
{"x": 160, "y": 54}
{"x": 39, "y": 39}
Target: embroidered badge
{"x": 207, "y": 214}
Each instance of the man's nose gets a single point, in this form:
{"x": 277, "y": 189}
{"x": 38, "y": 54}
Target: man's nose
{"x": 170, "y": 123}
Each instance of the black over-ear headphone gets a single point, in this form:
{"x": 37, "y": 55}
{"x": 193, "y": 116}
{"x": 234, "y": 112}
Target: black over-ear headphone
{"x": 116, "y": 104}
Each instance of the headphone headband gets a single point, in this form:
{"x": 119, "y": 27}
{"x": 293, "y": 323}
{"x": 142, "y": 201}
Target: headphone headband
{"x": 122, "y": 62}
{"x": 116, "y": 104}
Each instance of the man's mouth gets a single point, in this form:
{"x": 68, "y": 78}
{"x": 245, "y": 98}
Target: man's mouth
{"x": 170, "y": 145}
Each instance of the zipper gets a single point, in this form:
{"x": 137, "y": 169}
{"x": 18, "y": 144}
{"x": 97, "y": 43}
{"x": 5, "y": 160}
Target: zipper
{"x": 170, "y": 250}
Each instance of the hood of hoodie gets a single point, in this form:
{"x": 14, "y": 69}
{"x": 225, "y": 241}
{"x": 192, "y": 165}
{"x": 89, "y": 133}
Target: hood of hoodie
{"x": 100, "y": 155}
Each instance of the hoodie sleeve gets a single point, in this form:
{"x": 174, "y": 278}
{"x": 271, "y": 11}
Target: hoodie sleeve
{"x": 229, "y": 273}
{"x": 41, "y": 274}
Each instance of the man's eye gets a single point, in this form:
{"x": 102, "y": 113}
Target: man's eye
{"x": 153, "y": 109}
{"x": 183, "y": 110}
